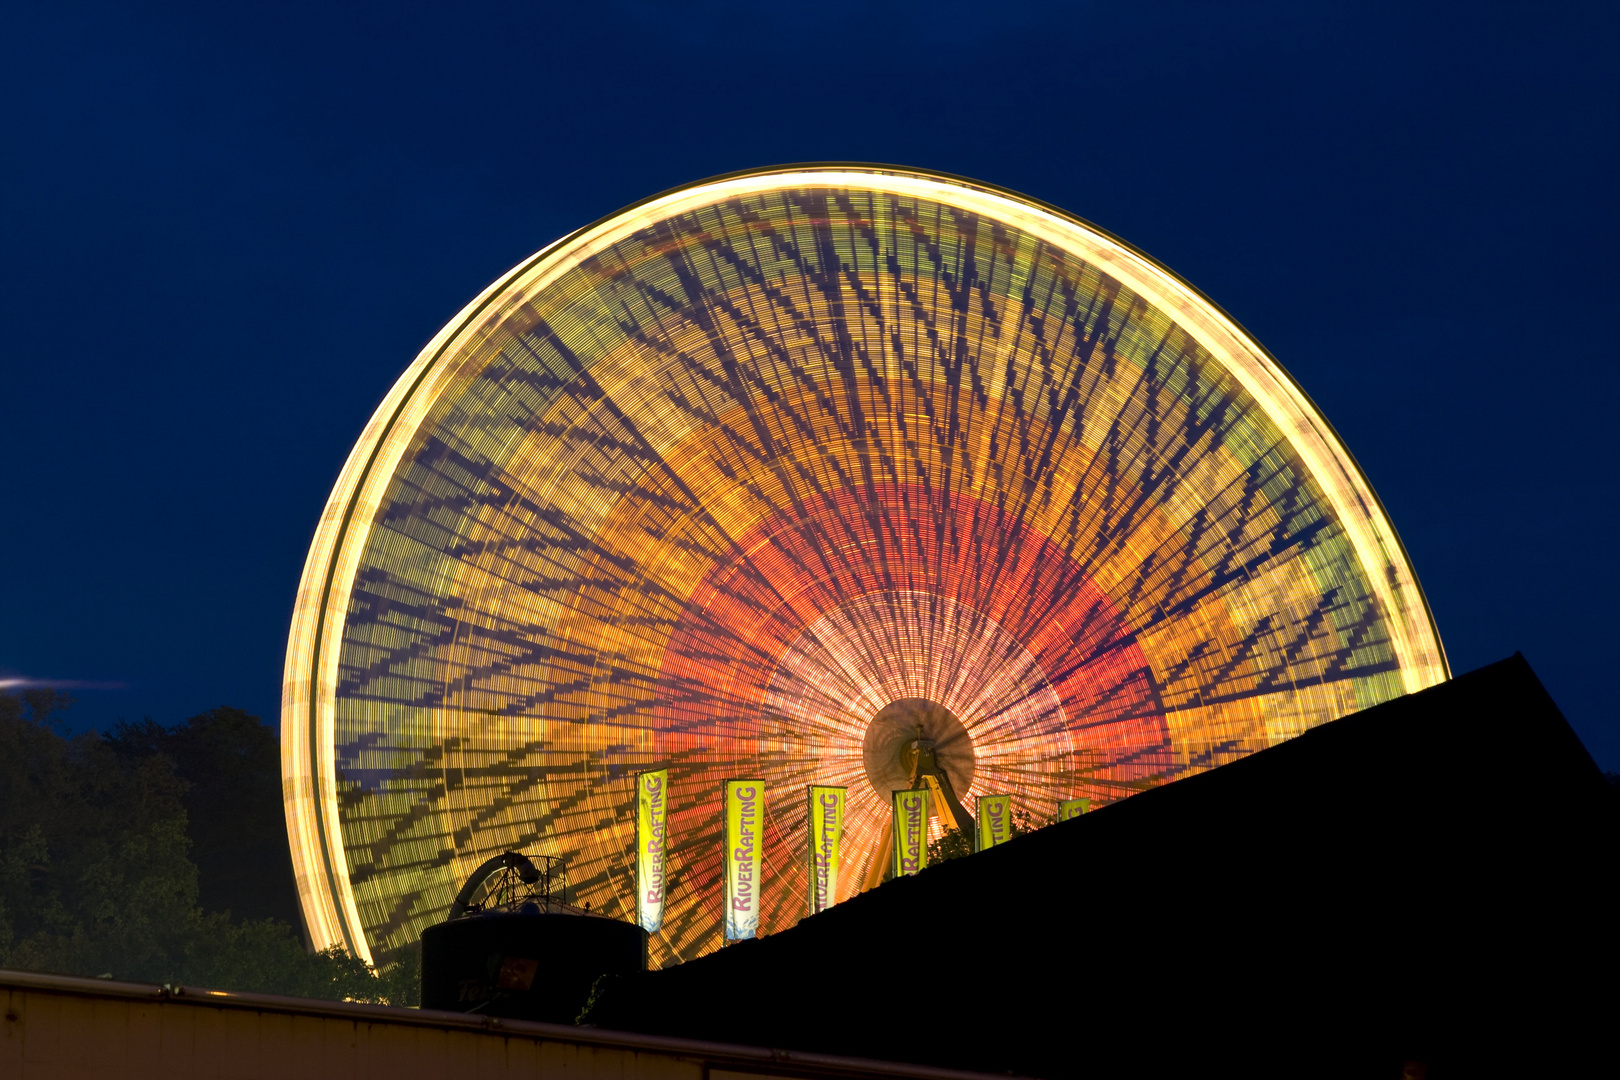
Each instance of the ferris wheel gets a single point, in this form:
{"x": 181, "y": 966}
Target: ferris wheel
{"x": 761, "y": 476}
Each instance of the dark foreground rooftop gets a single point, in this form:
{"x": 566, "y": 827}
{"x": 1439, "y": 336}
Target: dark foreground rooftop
{"x": 1429, "y": 880}
{"x": 68, "y": 1028}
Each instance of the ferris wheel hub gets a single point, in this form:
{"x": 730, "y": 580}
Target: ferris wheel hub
{"x": 902, "y": 731}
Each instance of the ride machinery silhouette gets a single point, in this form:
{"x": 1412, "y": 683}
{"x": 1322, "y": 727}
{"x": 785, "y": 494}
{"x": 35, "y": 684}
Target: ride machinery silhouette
{"x": 788, "y": 474}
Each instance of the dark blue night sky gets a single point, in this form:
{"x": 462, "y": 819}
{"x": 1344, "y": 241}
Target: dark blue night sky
{"x": 226, "y": 232}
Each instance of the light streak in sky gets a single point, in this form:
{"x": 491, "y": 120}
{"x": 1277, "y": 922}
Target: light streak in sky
{"x": 20, "y": 682}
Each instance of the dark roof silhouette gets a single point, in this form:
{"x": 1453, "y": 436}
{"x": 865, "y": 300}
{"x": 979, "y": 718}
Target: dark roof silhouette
{"x": 1429, "y": 880}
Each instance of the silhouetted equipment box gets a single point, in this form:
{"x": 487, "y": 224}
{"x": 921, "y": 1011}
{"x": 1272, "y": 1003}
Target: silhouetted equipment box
{"x": 529, "y": 965}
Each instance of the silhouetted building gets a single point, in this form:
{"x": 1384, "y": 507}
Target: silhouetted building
{"x": 1429, "y": 880}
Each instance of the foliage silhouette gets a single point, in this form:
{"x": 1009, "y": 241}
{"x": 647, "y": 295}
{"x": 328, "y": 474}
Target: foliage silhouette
{"x": 231, "y": 767}
{"x": 955, "y": 844}
{"x": 96, "y": 869}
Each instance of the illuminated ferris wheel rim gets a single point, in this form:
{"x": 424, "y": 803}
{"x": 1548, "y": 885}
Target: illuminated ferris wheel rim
{"x": 310, "y": 687}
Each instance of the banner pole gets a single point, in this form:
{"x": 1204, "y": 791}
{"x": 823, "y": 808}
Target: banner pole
{"x": 810, "y": 828}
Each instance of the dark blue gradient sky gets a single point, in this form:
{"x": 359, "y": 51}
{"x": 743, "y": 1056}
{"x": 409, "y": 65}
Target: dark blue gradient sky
{"x": 226, "y": 230}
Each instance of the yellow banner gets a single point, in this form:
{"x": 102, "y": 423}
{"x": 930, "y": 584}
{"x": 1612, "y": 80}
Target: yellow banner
{"x": 1069, "y": 808}
{"x": 651, "y": 812}
{"x": 826, "y": 823}
{"x": 995, "y": 820}
{"x": 910, "y": 831}
{"x": 745, "y": 826}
